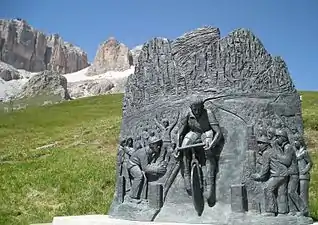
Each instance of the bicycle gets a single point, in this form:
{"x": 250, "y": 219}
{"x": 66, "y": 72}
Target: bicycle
{"x": 196, "y": 179}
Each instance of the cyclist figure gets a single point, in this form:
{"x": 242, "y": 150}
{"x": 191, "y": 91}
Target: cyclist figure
{"x": 200, "y": 126}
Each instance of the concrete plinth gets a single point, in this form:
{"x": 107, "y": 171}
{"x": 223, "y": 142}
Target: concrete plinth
{"x": 238, "y": 219}
{"x": 102, "y": 220}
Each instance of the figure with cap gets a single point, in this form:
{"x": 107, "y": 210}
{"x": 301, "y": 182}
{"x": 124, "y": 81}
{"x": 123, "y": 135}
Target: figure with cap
{"x": 261, "y": 130}
{"x": 289, "y": 158}
{"x": 129, "y": 149}
{"x": 276, "y": 175}
{"x": 121, "y": 156}
{"x": 262, "y": 143}
{"x": 304, "y": 165}
{"x": 145, "y": 133}
{"x": 142, "y": 164}
{"x": 126, "y": 149}
{"x": 200, "y": 125}
{"x": 271, "y": 134}
{"x": 165, "y": 129}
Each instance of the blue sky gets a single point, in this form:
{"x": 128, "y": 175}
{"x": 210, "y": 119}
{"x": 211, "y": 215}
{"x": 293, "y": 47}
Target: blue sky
{"x": 288, "y": 28}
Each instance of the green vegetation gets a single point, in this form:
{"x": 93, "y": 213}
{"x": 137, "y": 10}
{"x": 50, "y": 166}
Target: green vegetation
{"x": 75, "y": 173}
{"x": 15, "y": 104}
{"x": 310, "y": 117}
{"x": 75, "y": 176}
{"x": 310, "y": 109}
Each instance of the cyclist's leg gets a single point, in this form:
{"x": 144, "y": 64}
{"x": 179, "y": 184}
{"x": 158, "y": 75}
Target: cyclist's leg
{"x": 189, "y": 139}
{"x": 209, "y": 191}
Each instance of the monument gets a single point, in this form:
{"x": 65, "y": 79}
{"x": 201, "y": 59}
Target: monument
{"x": 211, "y": 133}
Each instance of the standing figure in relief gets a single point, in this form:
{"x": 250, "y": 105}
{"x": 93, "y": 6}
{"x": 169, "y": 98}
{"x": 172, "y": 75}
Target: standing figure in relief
{"x": 296, "y": 205}
{"x": 142, "y": 164}
{"x": 166, "y": 129}
{"x": 276, "y": 186}
{"x": 304, "y": 165}
{"x": 126, "y": 150}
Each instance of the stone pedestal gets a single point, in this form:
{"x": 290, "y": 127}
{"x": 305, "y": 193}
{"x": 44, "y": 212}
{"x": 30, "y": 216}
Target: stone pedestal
{"x": 102, "y": 220}
{"x": 235, "y": 219}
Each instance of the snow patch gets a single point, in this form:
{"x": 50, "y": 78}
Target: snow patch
{"x": 110, "y": 75}
{"x": 77, "y": 82}
{"x": 81, "y": 85}
{"x": 11, "y": 88}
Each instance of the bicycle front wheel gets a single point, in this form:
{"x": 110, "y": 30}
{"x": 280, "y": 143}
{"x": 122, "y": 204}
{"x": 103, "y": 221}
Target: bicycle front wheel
{"x": 196, "y": 188}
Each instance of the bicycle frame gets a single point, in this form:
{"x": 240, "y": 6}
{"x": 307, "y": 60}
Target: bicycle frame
{"x": 192, "y": 147}
{"x": 196, "y": 179}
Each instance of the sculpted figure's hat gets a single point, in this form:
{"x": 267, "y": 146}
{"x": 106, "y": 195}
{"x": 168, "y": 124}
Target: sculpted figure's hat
{"x": 262, "y": 139}
{"x": 272, "y": 130}
{"x": 198, "y": 101}
{"x": 129, "y": 139}
{"x": 282, "y": 133}
{"x": 122, "y": 142}
{"x": 165, "y": 120}
{"x": 154, "y": 140}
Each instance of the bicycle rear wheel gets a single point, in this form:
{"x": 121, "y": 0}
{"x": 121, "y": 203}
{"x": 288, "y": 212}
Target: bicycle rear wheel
{"x": 197, "y": 188}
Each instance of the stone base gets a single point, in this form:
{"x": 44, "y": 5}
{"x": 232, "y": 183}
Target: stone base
{"x": 235, "y": 219}
{"x": 221, "y": 214}
{"x": 102, "y": 220}
{"x": 249, "y": 219}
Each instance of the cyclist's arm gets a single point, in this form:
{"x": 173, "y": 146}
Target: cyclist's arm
{"x": 183, "y": 126}
{"x": 215, "y": 127}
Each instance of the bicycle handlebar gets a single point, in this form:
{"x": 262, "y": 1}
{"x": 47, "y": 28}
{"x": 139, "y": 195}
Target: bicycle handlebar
{"x": 190, "y": 146}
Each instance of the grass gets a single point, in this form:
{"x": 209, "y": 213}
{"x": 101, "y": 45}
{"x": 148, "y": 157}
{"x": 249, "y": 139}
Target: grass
{"x": 310, "y": 118}
{"x": 75, "y": 173}
{"x": 22, "y": 103}
{"x": 75, "y": 176}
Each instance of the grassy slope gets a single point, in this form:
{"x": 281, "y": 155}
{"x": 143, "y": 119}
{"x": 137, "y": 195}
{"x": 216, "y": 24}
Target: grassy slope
{"x": 77, "y": 175}
{"x": 310, "y": 117}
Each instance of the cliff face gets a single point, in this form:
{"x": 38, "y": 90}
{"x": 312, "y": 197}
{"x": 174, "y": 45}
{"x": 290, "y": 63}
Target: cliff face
{"x": 135, "y": 52}
{"x": 26, "y": 48}
{"x": 111, "y": 56}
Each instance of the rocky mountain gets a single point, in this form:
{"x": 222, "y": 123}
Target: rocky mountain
{"x": 24, "y": 47}
{"x": 31, "y": 64}
{"x": 111, "y": 56}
